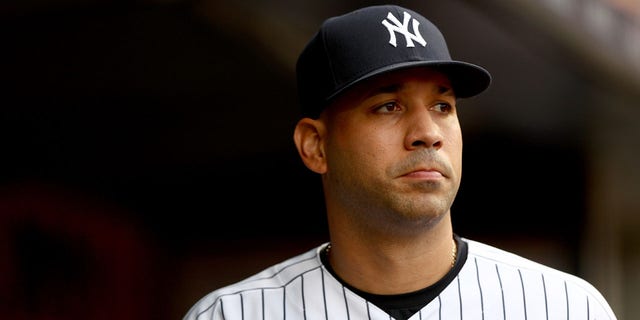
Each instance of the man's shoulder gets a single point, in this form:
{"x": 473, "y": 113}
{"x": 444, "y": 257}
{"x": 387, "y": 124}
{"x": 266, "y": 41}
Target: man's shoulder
{"x": 273, "y": 277}
{"x": 507, "y": 259}
{"x": 281, "y": 273}
{"x": 517, "y": 272}
{"x": 503, "y": 257}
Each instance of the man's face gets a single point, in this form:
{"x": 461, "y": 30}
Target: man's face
{"x": 394, "y": 148}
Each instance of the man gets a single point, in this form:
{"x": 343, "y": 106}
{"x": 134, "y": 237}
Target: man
{"x": 378, "y": 91}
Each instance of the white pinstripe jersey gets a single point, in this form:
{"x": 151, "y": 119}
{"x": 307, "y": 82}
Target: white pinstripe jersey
{"x": 492, "y": 284}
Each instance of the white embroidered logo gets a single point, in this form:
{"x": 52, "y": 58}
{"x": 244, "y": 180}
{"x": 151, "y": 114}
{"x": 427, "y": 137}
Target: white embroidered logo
{"x": 403, "y": 28}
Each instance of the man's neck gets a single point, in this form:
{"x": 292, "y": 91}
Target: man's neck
{"x": 392, "y": 265}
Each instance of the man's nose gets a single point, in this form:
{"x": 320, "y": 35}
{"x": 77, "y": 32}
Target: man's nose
{"x": 423, "y": 131}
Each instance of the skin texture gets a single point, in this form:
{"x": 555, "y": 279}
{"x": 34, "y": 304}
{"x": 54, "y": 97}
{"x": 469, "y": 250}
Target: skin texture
{"x": 389, "y": 151}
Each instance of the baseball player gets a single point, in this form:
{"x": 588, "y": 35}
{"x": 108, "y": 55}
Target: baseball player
{"x": 378, "y": 92}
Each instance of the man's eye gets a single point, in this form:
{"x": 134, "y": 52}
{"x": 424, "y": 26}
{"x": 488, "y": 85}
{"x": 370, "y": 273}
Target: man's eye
{"x": 442, "y": 107}
{"x": 388, "y": 107}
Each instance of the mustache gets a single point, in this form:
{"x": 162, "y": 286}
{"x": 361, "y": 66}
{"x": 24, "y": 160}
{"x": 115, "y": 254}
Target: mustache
{"x": 423, "y": 158}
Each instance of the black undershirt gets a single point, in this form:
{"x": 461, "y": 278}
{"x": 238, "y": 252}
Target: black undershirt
{"x": 403, "y": 306}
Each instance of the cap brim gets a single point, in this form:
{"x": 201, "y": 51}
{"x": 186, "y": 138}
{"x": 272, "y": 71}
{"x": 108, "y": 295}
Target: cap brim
{"x": 467, "y": 79}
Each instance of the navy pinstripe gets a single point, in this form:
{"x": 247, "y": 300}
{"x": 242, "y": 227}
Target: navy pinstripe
{"x": 546, "y": 304}
{"x": 524, "y": 295}
{"x": 504, "y": 310}
{"x": 475, "y": 261}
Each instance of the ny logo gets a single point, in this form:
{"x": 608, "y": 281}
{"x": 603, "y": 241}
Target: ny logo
{"x": 403, "y": 28}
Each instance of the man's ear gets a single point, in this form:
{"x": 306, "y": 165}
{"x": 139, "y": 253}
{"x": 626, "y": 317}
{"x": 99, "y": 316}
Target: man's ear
{"x": 308, "y": 137}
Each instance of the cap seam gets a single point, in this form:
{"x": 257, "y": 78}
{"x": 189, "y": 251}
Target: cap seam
{"x": 325, "y": 50}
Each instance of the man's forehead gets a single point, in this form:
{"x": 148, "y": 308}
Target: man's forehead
{"x": 397, "y": 80}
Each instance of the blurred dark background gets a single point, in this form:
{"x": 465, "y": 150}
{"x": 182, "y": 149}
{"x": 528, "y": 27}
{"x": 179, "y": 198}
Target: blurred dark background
{"x": 146, "y": 152}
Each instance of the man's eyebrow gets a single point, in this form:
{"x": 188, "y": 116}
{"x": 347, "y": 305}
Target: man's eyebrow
{"x": 445, "y": 90}
{"x": 390, "y": 88}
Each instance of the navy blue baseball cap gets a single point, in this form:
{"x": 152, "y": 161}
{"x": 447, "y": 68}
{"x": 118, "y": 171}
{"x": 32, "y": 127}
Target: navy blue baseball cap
{"x": 370, "y": 41}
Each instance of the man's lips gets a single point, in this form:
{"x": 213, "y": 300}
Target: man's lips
{"x": 425, "y": 174}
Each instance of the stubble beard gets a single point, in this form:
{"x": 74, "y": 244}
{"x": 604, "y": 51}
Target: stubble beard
{"x": 393, "y": 213}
